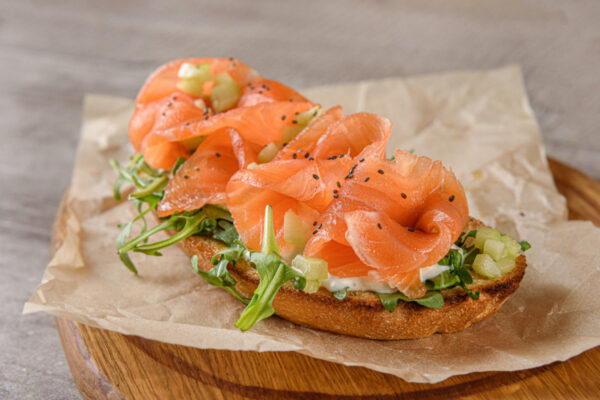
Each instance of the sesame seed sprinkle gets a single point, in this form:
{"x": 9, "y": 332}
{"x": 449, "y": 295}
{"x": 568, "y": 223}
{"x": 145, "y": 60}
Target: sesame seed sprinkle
{"x": 379, "y": 226}
{"x": 314, "y": 223}
{"x": 197, "y": 169}
{"x": 367, "y": 179}
{"x": 218, "y": 154}
{"x": 185, "y": 177}
{"x": 320, "y": 226}
{"x": 315, "y": 176}
{"x": 294, "y": 122}
{"x": 411, "y": 229}
{"x": 295, "y": 156}
{"x": 380, "y": 171}
{"x": 283, "y": 117}
{"x": 403, "y": 195}
{"x": 361, "y": 160}
{"x": 314, "y": 232}
{"x": 338, "y": 184}
{"x": 306, "y": 155}
{"x": 335, "y": 190}
{"x": 451, "y": 198}
{"x": 310, "y": 159}
{"x": 335, "y": 196}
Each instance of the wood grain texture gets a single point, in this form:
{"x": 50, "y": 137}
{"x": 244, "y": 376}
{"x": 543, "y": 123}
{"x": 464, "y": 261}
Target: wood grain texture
{"x": 108, "y": 365}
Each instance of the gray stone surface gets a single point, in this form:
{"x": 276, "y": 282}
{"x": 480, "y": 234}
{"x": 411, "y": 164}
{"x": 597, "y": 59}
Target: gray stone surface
{"x": 52, "y": 52}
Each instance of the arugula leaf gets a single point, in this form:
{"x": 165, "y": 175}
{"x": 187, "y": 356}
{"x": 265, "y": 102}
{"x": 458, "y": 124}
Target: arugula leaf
{"x": 273, "y": 274}
{"x": 340, "y": 294}
{"x": 226, "y": 233}
{"x": 220, "y": 277}
{"x": 525, "y": 245}
{"x": 432, "y": 299}
{"x": 444, "y": 280}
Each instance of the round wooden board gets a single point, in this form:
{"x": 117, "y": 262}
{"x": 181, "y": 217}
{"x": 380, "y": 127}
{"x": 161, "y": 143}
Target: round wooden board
{"x": 109, "y": 365}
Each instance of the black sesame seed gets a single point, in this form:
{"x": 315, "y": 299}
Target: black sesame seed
{"x": 338, "y": 184}
{"x": 379, "y": 226}
{"x": 332, "y": 158}
{"x": 285, "y": 144}
{"x": 380, "y": 171}
{"x": 296, "y": 113}
{"x": 300, "y": 151}
{"x": 315, "y": 231}
{"x": 314, "y": 223}
{"x": 306, "y": 155}
{"x": 367, "y": 179}
{"x": 169, "y": 104}
{"x": 451, "y": 198}
{"x": 197, "y": 169}
{"x": 163, "y": 114}
{"x": 174, "y": 98}
{"x": 361, "y": 160}
{"x": 335, "y": 190}
{"x": 320, "y": 226}
{"x": 231, "y": 58}
{"x": 294, "y": 122}
{"x": 411, "y": 229}
{"x": 349, "y": 176}
{"x": 283, "y": 117}
{"x": 290, "y": 100}
{"x": 263, "y": 86}
{"x": 187, "y": 124}
{"x": 335, "y": 196}
{"x": 341, "y": 155}
{"x": 310, "y": 159}
{"x": 206, "y": 117}
{"x": 260, "y": 92}
{"x": 522, "y": 214}
{"x": 403, "y": 195}
{"x": 295, "y": 156}
{"x": 185, "y": 177}
{"x": 218, "y": 154}
{"x": 315, "y": 176}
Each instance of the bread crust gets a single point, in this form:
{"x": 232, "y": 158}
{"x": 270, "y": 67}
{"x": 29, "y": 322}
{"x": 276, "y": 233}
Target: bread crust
{"x": 361, "y": 313}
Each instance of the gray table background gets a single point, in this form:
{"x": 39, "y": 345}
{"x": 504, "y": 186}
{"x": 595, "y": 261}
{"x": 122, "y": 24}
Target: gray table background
{"x": 53, "y": 52}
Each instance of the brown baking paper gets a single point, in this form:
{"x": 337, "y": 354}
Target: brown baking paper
{"x": 480, "y": 123}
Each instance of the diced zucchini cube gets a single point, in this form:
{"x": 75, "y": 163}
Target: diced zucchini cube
{"x": 268, "y": 153}
{"x": 312, "y": 268}
{"x": 484, "y": 265}
{"x": 225, "y": 95}
{"x": 511, "y": 247}
{"x": 223, "y": 77}
{"x": 484, "y": 233}
{"x": 200, "y": 104}
{"x": 294, "y": 231}
{"x": 506, "y": 264}
{"x": 311, "y": 286}
{"x": 201, "y": 73}
{"x": 494, "y": 248}
{"x": 307, "y": 117}
{"x": 191, "y": 86}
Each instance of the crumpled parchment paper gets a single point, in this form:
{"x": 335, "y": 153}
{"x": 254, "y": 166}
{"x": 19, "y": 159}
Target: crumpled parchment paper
{"x": 479, "y": 123}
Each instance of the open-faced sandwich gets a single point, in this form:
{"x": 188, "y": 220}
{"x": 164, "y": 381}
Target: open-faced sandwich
{"x": 296, "y": 211}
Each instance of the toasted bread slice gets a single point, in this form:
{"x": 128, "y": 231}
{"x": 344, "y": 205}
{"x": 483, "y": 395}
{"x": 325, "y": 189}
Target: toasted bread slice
{"x": 361, "y": 313}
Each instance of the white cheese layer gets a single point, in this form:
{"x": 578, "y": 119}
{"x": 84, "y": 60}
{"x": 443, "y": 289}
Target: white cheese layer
{"x": 364, "y": 283}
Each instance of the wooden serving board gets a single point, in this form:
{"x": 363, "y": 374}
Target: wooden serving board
{"x": 109, "y": 365}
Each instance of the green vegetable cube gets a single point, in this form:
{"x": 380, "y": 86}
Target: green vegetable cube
{"x": 191, "y": 86}
{"x": 311, "y": 286}
{"x": 484, "y": 233}
{"x": 312, "y": 268}
{"x": 268, "y": 153}
{"x": 506, "y": 264}
{"x": 307, "y": 117}
{"x": 484, "y": 265}
{"x": 294, "y": 231}
{"x": 225, "y": 94}
{"x": 511, "y": 247}
{"x": 201, "y": 73}
{"x": 494, "y": 248}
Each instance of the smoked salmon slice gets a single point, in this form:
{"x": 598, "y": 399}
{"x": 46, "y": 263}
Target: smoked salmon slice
{"x": 164, "y": 114}
{"x": 396, "y": 217}
{"x": 203, "y": 178}
{"x": 266, "y": 91}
